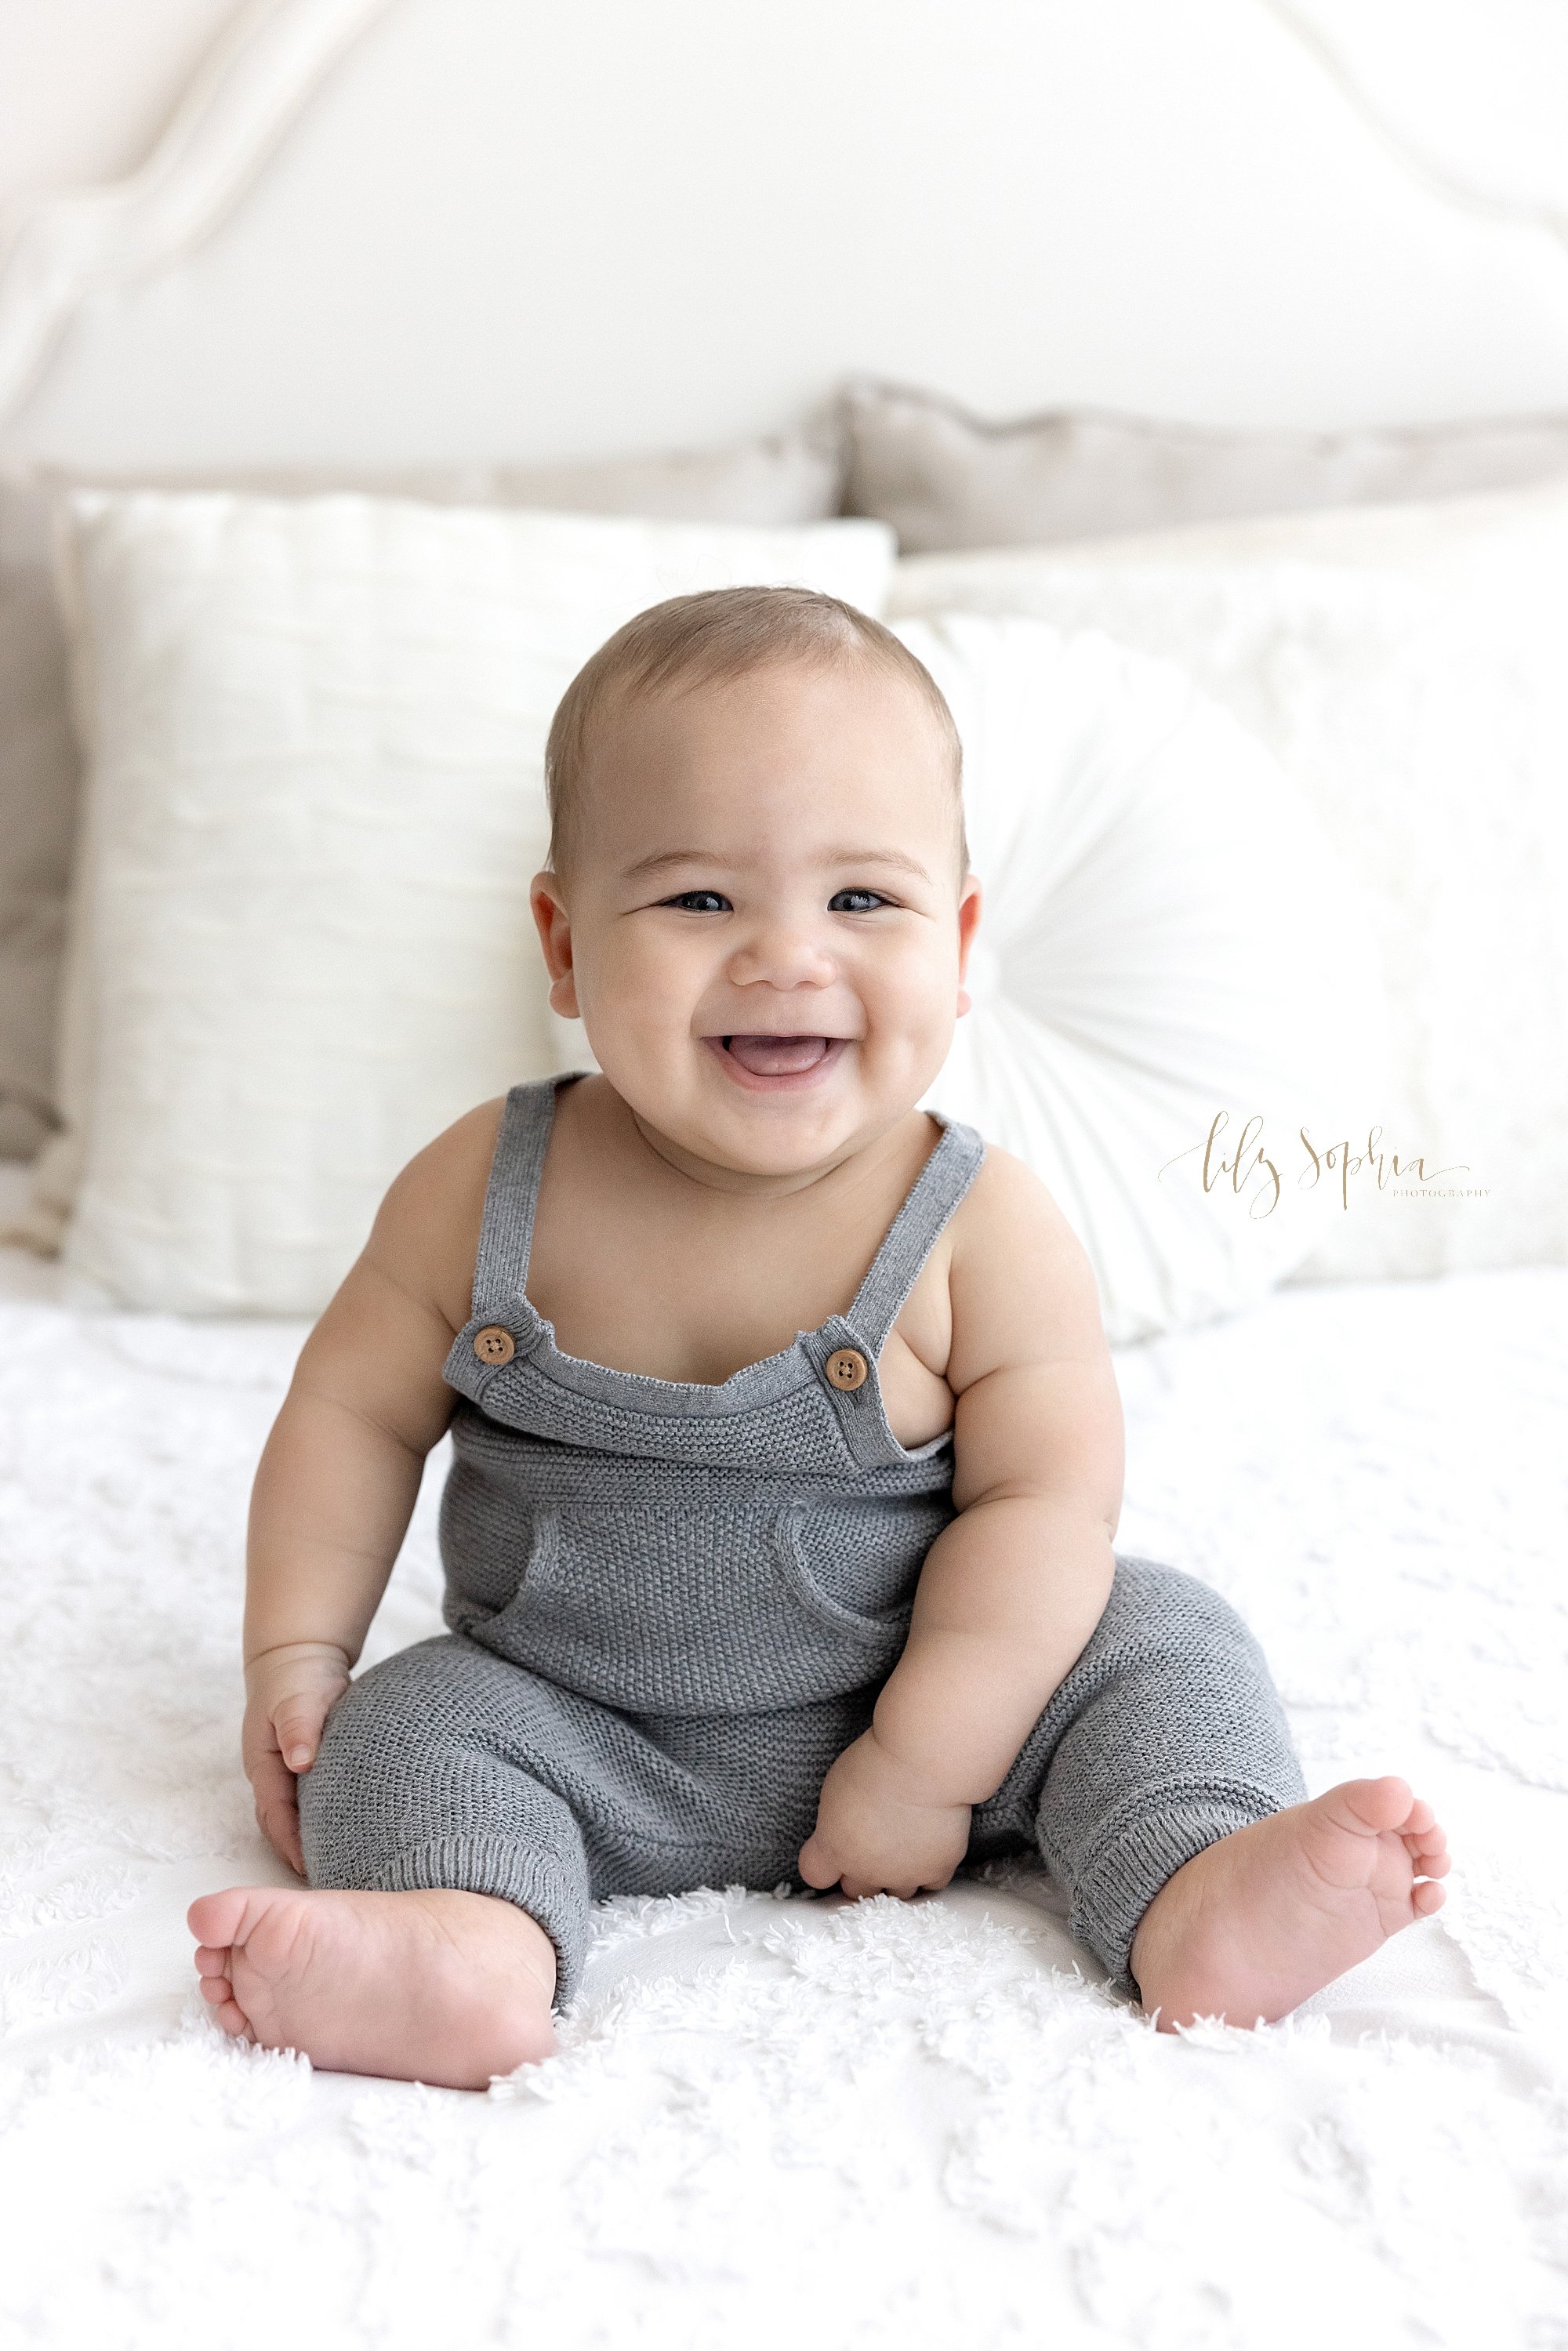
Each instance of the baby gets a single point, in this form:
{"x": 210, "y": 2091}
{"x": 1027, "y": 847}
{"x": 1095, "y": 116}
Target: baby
{"x": 788, "y": 1449}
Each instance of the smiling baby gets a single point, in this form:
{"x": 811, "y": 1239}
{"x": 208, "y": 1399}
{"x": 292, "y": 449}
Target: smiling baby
{"x": 787, "y": 1447}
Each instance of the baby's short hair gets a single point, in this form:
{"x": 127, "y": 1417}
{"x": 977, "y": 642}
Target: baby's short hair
{"x": 708, "y": 638}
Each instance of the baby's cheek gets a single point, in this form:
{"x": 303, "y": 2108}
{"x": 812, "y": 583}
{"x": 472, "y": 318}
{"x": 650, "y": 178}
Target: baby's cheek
{"x": 653, "y": 988}
{"x": 912, "y": 1007}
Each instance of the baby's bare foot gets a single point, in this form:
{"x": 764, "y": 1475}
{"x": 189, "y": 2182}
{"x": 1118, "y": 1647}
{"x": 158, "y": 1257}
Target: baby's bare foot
{"x": 437, "y": 1986}
{"x": 1251, "y": 1928}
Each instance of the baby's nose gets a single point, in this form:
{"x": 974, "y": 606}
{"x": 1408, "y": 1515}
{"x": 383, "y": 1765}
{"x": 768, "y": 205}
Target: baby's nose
{"x": 783, "y": 955}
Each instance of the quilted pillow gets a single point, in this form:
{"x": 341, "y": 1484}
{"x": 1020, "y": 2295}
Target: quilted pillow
{"x": 300, "y": 940}
{"x": 1167, "y": 940}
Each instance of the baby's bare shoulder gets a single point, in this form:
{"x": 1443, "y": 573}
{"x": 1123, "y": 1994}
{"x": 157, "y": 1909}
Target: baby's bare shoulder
{"x": 1022, "y": 1286}
{"x": 425, "y": 1237}
{"x": 1009, "y": 1208}
{"x": 380, "y": 1346}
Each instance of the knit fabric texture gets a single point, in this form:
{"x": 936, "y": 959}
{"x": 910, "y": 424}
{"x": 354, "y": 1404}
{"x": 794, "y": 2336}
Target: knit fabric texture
{"x": 672, "y": 1606}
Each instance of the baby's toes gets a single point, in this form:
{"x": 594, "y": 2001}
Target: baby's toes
{"x": 216, "y": 1990}
{"x": 1428, "y": 1849}
{"x": 1426, "y": 1897}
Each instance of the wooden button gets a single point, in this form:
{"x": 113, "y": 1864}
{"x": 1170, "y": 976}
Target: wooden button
{"x": 495, "y": 1344}
{"x": 847, "y": 1368}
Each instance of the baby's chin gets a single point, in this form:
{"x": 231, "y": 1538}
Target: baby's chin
{"x": 781, "y": 1105}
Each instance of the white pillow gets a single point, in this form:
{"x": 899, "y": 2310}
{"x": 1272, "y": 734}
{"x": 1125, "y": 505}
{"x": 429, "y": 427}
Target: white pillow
{"x": 788, "y": 478}
{"x": 1164, "y": 936}
{"x": 300, "y": 936}
{"x": 1408, "y": 668}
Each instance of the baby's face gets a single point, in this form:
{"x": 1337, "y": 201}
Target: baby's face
{"x": 763, "y": 927}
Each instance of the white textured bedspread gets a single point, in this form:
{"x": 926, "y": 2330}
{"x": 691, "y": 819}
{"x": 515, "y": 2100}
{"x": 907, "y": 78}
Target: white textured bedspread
{"x": 804, "y": 2121}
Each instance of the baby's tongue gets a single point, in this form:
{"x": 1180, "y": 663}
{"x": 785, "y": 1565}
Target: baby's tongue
{"x": 777, "y": 1057}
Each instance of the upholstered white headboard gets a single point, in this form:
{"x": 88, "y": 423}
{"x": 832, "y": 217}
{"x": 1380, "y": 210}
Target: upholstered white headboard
{"x": 387, "y": 230}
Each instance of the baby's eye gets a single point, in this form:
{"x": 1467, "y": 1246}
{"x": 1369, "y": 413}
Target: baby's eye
{"x": 856, "y": 901}
{"x": 699, "y": 902}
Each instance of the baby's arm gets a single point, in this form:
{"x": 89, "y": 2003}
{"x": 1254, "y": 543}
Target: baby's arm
{"x": 1010, "y": 1592}
{"x": 341, "y": 1472}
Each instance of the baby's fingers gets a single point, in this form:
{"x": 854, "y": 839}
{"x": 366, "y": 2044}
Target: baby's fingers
{"x": 279, "y": 1824}
{"x": 278, "y": 1811}
{"x": 296, "y": 1726}
{"x": 816, "y": 1864}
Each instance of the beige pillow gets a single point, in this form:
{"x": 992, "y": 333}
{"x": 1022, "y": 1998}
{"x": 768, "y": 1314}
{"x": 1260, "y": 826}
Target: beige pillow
{"x": 769, "y": 483}
{"x": 39, "y": 765}
{"x": 944, "y": 478}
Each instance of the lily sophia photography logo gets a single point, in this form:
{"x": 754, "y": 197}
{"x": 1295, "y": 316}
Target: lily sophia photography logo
{"x": 1251, "y": 1164}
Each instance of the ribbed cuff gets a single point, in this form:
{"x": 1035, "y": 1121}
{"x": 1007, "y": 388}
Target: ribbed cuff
{"x": 1111, "y": 1896}
{"x": 468, "y": 1864}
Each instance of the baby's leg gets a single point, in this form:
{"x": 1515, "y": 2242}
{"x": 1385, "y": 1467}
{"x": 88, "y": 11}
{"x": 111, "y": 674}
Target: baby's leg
{"x": 1172, "y": 1810}
{"x": 449, "y": 1887}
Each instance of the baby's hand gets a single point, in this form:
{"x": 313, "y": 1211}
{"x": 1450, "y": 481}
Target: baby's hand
{"x": 877, "y": 1834}
{"x": 289, "y": 1692}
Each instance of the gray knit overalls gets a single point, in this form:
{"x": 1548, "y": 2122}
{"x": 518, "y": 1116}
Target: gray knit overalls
{"x": 672, "y": 1606}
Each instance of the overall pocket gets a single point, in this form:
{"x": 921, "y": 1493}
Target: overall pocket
{"x": 661, "y": 1608}
{"x": 856, "y": 1562}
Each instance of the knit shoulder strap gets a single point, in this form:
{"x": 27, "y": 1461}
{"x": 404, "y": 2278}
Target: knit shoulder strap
{"x": 913, "y": 1233}
{"x": 511, "y": 1196}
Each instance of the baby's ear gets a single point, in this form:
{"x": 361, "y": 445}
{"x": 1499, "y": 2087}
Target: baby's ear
{"x": 969, "y": 923}
{"x": 554, "y": 926}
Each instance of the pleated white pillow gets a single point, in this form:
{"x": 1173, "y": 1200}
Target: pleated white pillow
{"x": 1166, "y": 936}
{"x": 300, "y": 940}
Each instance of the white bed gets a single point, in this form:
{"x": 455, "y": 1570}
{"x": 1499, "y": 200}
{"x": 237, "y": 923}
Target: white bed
{"x": 805, "y": 2120}
{"x": 785, "y": 2121}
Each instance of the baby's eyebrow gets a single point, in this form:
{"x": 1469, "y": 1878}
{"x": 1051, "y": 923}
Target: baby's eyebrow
{"x": 662, "y": 860}
{"x": 894, "y": 857}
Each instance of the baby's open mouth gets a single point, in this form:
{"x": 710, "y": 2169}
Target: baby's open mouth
{"x": 779, "y": 1056}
